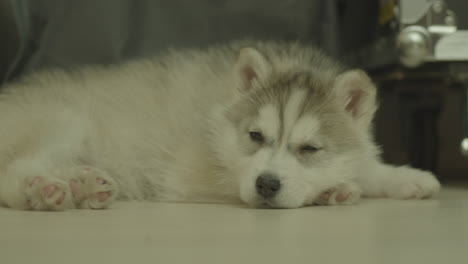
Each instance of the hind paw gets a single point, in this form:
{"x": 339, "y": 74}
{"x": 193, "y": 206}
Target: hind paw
{"x": 344, "y": 194}
{"x": 44, "y": 193}
{"x": 92, "y": 188}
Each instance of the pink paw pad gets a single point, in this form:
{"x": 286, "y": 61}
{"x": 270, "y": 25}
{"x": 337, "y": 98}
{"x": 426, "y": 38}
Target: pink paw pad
{"x": 102, "y": 196}
{"x": 50, "y": 191}
{"x": 346, "y": 194}
{"x": 341, "y": 197}
{"x": 92, "y": 188}
{"x": 45, "y": 193}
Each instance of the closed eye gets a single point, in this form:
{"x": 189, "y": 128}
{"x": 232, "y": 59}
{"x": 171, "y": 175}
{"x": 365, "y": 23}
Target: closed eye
{"x": 256, "y": 137}
{"x": 304, "y": 149}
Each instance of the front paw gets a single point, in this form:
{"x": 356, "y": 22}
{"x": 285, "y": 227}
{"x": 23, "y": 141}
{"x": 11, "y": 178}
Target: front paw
{"x": 413, "y": 184}
{"x": 344, "y": 194}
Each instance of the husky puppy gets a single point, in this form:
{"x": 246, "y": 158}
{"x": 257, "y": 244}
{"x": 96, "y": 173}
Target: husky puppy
{"x": 269, "y": 124}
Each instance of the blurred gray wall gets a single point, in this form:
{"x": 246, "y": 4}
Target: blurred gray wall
{"x": 66, "y": 33}
{"x": 8, "y": 36}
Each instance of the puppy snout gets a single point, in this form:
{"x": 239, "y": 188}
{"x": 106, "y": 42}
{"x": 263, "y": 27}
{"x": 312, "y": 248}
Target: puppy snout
{"x": 267, "y": 185}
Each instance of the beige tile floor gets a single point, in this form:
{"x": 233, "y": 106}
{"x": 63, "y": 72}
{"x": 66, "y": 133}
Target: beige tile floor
{"x": 375, "y": 231}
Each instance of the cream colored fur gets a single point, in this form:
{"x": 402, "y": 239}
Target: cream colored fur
{"x": 156, "y": 129}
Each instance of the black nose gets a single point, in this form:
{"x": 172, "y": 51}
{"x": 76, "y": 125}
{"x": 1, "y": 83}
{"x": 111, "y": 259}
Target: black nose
{"x": 267, "y": 185}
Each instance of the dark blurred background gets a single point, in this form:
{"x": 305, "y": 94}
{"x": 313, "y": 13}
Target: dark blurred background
{"x": 421, "y": 119}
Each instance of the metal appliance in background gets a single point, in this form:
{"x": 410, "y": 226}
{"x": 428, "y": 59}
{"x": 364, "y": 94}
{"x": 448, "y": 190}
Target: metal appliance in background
{"x": 428, "y": 33}
{"x": 413, "y": 32}
{"x": 419, "y": 46}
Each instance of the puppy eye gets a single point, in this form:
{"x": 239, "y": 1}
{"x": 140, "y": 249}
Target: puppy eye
{"x": 308, "y": 149}
{"x": 256, "y": 137}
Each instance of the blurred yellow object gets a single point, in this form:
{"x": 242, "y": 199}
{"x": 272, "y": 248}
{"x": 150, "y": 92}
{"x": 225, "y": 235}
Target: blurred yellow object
{"x": 386, "y": 11}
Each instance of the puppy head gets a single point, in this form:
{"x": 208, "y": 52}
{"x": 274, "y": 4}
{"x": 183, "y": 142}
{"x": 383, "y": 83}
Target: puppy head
{"x": 295, "y": 130}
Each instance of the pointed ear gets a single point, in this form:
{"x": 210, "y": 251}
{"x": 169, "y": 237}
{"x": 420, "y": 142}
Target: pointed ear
{"x": 251, "y": 66}
{"x": 357, "y": 94}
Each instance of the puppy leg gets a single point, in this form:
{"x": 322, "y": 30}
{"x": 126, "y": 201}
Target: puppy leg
{"x": 381, "y": 180}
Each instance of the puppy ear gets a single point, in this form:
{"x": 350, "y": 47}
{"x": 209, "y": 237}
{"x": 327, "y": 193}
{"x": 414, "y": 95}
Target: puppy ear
{"x": 251, "y": 66}
{"x": 357, "y": 94}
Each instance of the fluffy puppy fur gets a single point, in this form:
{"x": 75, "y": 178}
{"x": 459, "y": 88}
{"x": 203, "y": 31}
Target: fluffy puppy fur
{"x": 269, "y": 124}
